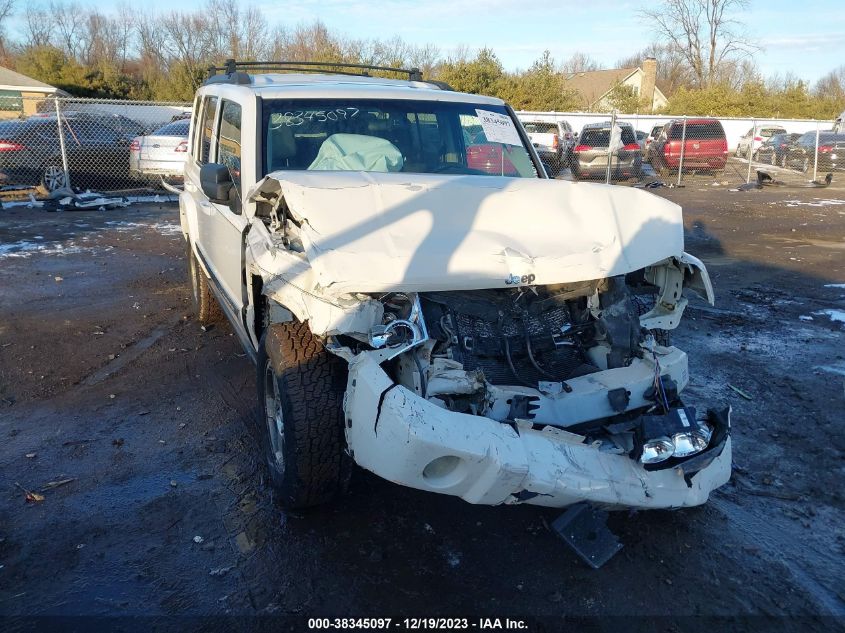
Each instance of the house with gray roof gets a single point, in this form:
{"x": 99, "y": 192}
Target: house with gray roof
{"x": 20, "y": 95}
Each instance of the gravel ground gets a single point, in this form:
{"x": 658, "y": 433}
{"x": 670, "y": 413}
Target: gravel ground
{"x": 108, "y": 382}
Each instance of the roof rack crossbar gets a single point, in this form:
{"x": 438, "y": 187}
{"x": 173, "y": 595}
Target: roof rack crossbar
{"x": 232, "y": 66}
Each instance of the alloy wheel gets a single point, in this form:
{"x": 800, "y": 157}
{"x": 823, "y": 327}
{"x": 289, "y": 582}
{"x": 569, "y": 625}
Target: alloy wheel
{"x": 54, "y": 178}
{"x": 274, "y": 416}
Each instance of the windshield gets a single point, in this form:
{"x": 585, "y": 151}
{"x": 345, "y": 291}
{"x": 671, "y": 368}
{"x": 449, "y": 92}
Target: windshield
{"x": 178, "y": 128}
{"x": 423, "y": 137}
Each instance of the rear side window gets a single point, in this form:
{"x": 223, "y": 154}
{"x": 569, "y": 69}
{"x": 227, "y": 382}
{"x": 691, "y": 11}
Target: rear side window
{"x": 601, "y": 137}
{"x": 701, "y": 131}
{"x": 540, "y": 128}
{"x": 769, "y": 132}
{"x": 207, "y": 128}
{"x": 229, "y": 141}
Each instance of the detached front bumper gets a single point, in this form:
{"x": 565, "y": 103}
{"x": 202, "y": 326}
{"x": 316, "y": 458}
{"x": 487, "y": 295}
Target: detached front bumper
{"x": 410, "y": 441}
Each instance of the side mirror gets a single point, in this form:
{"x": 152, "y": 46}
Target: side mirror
{"x": 216, "y": 182}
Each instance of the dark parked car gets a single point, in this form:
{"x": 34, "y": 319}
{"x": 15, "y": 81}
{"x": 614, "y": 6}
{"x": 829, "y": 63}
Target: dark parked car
{"x": 588, "y": 159}
{"x": 801, "y": 155}
{"x": 705, "y": 147}
{"x": 30, "y": 153}
{"x": 124, "y": 126}
{"x": 773, "y": 149}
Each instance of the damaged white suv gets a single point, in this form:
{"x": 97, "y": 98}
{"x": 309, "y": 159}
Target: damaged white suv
{"x": 421, "y": 299}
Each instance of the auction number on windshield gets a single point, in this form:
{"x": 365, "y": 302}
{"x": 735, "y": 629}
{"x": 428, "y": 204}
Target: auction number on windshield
{"x": 293, "y": 119}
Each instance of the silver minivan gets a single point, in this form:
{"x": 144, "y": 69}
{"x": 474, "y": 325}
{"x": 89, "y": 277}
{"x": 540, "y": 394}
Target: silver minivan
{"x": 590, "y": 155}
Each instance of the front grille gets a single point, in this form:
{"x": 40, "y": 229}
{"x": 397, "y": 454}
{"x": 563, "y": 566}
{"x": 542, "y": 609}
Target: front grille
{"x": 476, "y": 325}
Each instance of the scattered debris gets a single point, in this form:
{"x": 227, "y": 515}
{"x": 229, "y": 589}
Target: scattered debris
{"x": 118, "y": 442}
{"x": 57, "y": 278}
{"x": 740, "y": 392}
{"x": 55, "y": 484}
{"x": 173, "y": 482}
{"x": 77, "y": 442}
{"x": 584, "y": 528}
{"x": 31, "y": 497}
{"x": 198, "y": 539}
{"x": 221, "y": 571}
{"x": 31, "y": 455}
{"x": 805, "y": 317}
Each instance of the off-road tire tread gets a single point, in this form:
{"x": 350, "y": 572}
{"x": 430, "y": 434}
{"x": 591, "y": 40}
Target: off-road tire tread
{"x": 312, "y": 383}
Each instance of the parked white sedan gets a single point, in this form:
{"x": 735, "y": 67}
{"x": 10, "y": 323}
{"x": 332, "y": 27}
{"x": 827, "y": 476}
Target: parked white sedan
{"x": 161, "y": 153}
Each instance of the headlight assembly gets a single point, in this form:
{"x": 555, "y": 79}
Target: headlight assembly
{"x": 676, "y": 434}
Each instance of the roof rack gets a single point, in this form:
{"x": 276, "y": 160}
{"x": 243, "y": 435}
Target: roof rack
{"x": 231, "y": 70}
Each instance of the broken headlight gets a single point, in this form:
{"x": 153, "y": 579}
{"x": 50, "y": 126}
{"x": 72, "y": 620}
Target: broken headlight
{"x": 674, "y": 434}
{"x": 403, "y": 326}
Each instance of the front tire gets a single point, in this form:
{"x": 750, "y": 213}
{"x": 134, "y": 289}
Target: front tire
{"x": 300, "y": 390}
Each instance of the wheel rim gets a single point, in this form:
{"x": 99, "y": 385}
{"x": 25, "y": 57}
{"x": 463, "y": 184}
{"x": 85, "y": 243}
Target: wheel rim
{"x": 54, "y": 178}
{"x": 273, "y": 415}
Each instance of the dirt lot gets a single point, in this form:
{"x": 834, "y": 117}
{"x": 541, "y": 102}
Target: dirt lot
{"x": 106, "y": 380}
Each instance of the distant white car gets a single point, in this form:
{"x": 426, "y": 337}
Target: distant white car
{"x": 754, "y": 138}
{"x": 161, "y": 153}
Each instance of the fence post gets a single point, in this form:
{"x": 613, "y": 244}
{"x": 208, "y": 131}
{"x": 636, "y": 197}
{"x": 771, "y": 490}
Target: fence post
{"x": 610, "y": 147}
{"x": 816, "y": 159}
{"x": 683, "y": 149}
{"x": 62, "y": 142}
{"x": 750, "y": 150}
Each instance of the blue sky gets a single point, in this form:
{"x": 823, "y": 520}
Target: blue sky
{"x": 804, "y": 38}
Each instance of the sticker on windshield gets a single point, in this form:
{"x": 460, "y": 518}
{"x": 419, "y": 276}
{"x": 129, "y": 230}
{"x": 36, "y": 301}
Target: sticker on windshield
{"x": 498, "y": 128}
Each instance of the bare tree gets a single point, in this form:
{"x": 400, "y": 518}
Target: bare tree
{"x": 672, "y": 69}
{"x": 704, "y": 32}
{"x": 832, "y": 85}
{"x": 38, "y": 27}
{"x": 7, "y": 7}
{"x": 234, "y": 32}
{"x": 579, "y": 62}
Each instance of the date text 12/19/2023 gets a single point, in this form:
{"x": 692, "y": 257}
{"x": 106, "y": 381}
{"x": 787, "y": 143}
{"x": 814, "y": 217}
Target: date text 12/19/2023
{"x": 416, "y": 624}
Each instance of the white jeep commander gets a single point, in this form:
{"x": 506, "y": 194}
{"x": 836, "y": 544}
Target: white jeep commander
{"x": 421, "y": 298}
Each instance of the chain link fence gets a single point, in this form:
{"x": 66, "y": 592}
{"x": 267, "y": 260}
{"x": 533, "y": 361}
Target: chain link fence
{"x": 616, "y": 148}
{"x": 58, "y": 144}
{"x": 69, "y": 144}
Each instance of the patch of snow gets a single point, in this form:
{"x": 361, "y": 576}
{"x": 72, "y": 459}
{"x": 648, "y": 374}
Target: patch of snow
{"x": 834, "y": 285}
{"x": 806, "y": 317}
{"x": 25, "y": 248}
{"x": 818, "y": 202}
{"x": 832, "y": 369}
{"x": 164, "y": 228}
{"x": 837, "y": 316}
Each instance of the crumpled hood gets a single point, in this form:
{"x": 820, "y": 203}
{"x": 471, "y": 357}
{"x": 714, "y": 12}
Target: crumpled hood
{"x": 373, "y": 232}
